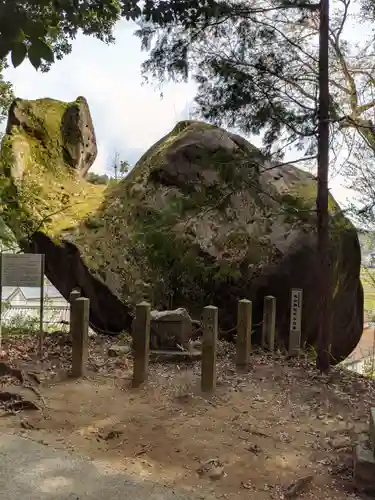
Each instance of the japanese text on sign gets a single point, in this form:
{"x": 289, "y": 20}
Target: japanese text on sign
{"x": 296, "y": 308}
{"x": 21, "y": 269}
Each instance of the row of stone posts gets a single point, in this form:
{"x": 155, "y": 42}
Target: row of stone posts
{"x": 79, "y": 324}
{"x": 141, "y": 336}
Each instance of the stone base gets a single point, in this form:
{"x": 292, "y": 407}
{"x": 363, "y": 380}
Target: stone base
{"x": 175, "y": 356}
{"x": 364, "y": 469}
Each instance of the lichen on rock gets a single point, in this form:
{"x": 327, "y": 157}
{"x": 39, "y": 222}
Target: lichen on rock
{"x": 44, "y": 191}
{"x": 42, "y": 185}
{"x": 202, "y": 218}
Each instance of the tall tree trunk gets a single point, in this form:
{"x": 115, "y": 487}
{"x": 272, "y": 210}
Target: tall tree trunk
{"x": 324, "y": 279}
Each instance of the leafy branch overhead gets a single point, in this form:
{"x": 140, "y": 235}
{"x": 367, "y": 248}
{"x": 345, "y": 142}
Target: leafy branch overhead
{"x": 42, "y": 30}
{"x": 256, "y": 66}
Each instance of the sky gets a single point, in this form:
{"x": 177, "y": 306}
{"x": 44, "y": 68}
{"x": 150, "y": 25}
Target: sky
{"x": 129, "y": 116}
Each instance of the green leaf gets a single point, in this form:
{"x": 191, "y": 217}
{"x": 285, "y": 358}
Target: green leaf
{"x": 43, "y": 50}
{"x": 35, "y": 29}
{"x": 34, "y": 56}
{"x": 4, "y": 48}
{"x": 10, "y": 30}
{"x": 18, "y": 53}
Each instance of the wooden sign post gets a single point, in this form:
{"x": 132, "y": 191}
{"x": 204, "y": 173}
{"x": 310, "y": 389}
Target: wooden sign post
{"x": 295, "y": 321}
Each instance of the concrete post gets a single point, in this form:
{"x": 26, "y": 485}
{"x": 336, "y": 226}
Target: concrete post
{"x": 141, "y": 343}
{"x": 74, "y": 294}
{"x": 209, "y": 347}
{"x": 269, "y": 319}
{"x": 244, "y": 323}
{"x": 79, "y": 327}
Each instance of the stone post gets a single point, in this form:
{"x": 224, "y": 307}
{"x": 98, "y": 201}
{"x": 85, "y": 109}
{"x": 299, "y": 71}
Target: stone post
{"x": 141, "y": 343}
{"x": 364, "y": 462}
{"x": 74, "y": 294}
{"x": 79, "y": 327}
{"x": 244, "y": 323}
{"x": 269, "y": 319}
{"x": 209, "y": 347}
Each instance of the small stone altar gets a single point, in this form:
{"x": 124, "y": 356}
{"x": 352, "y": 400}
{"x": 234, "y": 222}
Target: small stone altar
{"x": 364, "y": 460}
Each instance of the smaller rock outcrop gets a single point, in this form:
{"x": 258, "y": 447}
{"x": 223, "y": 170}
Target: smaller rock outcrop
{"x": 80, "y": 148}
{"x": 170, "y": 329}
{"x": 63, "y": 131}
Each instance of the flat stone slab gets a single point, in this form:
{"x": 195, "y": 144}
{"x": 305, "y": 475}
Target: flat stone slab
{"x": 364, "y": 468}
{"x": 32, "y": 471}
{"x": 175, "y": 356}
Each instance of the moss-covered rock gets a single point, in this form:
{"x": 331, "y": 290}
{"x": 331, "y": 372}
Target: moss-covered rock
{"x": 46, "y": 152}
{"x": 202, "y": 218}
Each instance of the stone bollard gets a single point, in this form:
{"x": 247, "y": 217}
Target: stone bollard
{"x": 209, "y": 347}
{"x": 141, "y": 343}
{"x": 79, "y": 327}
{"x": 364, "y": 461}
{"x": 74, "y": 294}
{"x": 269, "y": 319}
{"x": 244, "y": 323}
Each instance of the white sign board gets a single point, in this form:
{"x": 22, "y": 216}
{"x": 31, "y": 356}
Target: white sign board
{"x": 295, "y": 320}
{"x": 24, "y": 269}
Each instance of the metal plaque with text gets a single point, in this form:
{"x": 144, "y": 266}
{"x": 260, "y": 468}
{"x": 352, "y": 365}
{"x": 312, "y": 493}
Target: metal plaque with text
{"x": 24, "y": 269}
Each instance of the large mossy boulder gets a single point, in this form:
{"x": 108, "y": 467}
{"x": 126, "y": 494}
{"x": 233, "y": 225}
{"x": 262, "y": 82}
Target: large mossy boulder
{"x": 46, "y": 153}
{"x": 202, "y": 219}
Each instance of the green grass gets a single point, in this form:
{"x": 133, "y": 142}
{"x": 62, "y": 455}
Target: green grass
{"x": 368, "y": 282}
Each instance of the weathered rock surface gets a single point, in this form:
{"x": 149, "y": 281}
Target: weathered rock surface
{"x": 202, "y": 218}
{"x": 48, "y": 147}
{"x": 364, "y": 469}
{"x": 57, "y": 126}
{"x": 170, "y": 328}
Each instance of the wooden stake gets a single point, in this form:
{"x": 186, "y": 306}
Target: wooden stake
{"x": 209, "y": 346}
{"x": 79, "y": 324}
{"x": 141, "y": 343}
{"x": 243, "y": 344}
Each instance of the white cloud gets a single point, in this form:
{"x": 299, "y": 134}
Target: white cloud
{"x": 128, "y": 116}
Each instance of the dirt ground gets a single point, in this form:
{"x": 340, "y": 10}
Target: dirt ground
{"x": 260, "y": 433}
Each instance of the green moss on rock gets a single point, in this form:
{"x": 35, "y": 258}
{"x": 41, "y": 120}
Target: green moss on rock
{"x": 47, "y": 194}
{"x": 198, "y": 219}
